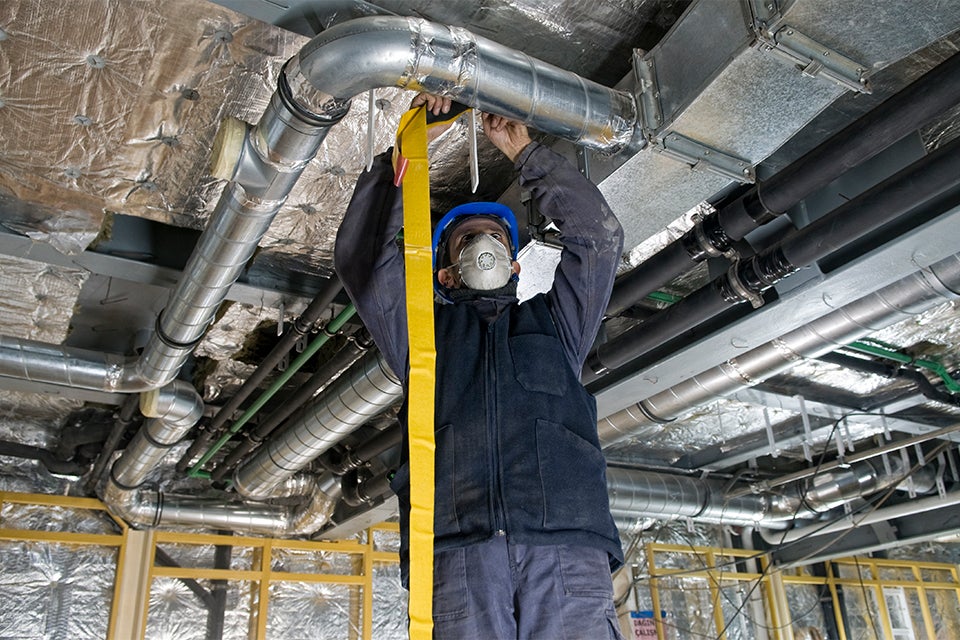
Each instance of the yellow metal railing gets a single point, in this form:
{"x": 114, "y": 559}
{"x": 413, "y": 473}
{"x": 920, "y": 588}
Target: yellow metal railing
{"x": 694, "y": 571}
{"x": 260, "y": 575}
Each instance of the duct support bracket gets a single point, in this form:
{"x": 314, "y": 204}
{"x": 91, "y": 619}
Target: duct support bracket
{"x": 812, "y": 58}
{"x": 700, "y": 156}
{"x": 816, "y": 60}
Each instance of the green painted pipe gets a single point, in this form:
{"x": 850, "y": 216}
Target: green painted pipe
{"x": 890, "y": 352}
{"x": 332, "y": 327}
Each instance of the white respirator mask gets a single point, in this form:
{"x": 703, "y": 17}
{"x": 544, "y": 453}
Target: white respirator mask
{"x": 485, "y": 264}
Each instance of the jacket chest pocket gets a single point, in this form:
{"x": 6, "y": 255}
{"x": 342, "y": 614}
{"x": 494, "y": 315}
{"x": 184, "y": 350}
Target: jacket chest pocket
{"x": 539, "y": 363}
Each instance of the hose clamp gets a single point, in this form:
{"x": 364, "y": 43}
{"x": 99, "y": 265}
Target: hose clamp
{"x": 742, "y": 290}
{"x": 706, "y": 244}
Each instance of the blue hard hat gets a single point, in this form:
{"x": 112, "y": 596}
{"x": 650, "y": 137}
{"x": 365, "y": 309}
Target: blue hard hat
{"x": 499, "y": 212}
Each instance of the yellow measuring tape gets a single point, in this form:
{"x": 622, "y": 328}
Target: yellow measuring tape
{"x": 413, "y": 170}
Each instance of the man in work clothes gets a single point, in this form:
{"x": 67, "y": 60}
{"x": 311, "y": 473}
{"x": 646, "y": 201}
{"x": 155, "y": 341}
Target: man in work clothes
{"x": 524, "y": 541}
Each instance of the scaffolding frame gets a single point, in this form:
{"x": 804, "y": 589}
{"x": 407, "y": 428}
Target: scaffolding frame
{"x": 720, "y": 566}
{"x": 261, "y": 575}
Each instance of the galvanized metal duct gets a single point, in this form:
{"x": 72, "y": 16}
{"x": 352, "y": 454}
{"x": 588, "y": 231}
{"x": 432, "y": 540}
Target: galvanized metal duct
{"x": 154, "y": 508}
{"x": 910, "y": 296}
{"x": 354, "y": 398}
{"x": 640, "y": 494}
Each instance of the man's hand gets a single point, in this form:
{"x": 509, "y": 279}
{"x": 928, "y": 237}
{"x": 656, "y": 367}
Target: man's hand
{"x": 510, "y": 136}
{"x": 435, "y": 105}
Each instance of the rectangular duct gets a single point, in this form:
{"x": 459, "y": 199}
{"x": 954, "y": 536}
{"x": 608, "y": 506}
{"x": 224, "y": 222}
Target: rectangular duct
{"x": 733, "y": 81}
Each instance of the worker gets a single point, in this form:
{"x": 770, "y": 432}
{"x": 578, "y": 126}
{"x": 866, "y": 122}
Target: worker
{"x": 524, "y": 542}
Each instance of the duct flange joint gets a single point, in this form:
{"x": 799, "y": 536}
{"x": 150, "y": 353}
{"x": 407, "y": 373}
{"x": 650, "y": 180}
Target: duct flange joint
{"x": 647, "y": 92}
{"x": 703, "y": 157}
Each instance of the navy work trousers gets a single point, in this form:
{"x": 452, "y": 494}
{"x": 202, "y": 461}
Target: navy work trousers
{"x": 497, "y": 590}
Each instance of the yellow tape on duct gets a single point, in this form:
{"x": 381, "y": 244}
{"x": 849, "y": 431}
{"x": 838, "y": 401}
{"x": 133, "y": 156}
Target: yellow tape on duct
{"x": 417, "y": 240}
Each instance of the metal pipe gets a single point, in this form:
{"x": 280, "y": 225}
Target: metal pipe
{"x": 172, "y": 412}
{"x": 643, "y": 494}
{"x": 886, "y": 514}
{"x": 154, "y": 508}
{"x": 901, "y": 114}
{"x": 924, "y": 180}
{"x": 330, "y": 370}
{"x": 297, "y": 329}
{"x": 908, "y": 297}
{"x": 364, "y": 392}
{"x": 274, "y": 155}
{"x": 410, "y": 53}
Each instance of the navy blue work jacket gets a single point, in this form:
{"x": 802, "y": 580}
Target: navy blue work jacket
{"x": 517, "y": 447}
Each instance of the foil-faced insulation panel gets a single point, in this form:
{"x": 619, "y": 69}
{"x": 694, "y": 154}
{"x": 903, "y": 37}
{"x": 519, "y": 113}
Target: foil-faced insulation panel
{"x": 38, "y": 299}
{"x": 55, "y": 591}
{"x": 121, "y": 119}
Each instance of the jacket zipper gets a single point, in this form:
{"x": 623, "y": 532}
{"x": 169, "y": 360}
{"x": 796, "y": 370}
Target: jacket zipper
{"x": 499, "y": 518}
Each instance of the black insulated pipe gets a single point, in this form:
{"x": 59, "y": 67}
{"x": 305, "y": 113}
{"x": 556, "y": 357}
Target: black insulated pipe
{"x": 125, "y": 418}
{"x": 341, "y": 458}
{"x": 898, "y": 116}
{"x": 899, "y": 194}
{"x": 328, "y": 371}
{"x": 872, "y": 367}
{"x": 45, "y": 457}
{"x": 359, "y": 488}
{"x": 299, "y": 328}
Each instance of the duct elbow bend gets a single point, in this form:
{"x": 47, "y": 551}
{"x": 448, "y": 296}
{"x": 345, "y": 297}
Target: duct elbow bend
{"x": 132, "y": 505}
{"x": 410, "y": 53}
{"x": 177, "y": 404}
{"x": 312, "y": 515}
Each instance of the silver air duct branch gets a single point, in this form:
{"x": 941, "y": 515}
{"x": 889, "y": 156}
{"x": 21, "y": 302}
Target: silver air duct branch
{"x": 388, "y": 51}
{"x": 637, "y": 494}
{"x": 354, "y": 398}
{"x": 912, "y": 295}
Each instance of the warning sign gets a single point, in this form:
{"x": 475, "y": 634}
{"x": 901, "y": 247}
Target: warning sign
{"x": 642, "y": 625}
